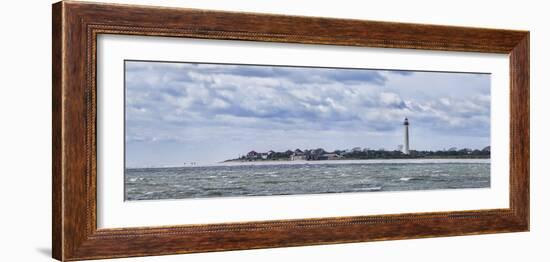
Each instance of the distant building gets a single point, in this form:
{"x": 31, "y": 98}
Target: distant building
{"x": 330, "y": 156}
{"x": 252, "y": 155}
{"x": 314, "y": 154}
{"x": 298, "y": 155}
{"x": 486, "y": 149}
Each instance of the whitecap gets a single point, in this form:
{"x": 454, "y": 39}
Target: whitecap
{"x": 405, "y": 178}
{"x": 376, "y": 188}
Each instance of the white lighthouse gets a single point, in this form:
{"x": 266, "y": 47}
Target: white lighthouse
{"x": 406, "y": 145}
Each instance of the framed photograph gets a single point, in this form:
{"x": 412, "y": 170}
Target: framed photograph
{"x": 182, "y": 130}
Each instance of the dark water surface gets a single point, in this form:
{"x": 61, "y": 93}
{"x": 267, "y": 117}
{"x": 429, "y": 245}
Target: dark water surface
{"x": 289, "y": 178}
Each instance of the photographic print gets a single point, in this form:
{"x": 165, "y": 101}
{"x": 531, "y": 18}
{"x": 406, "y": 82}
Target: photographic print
{"x": 201, "y": 130}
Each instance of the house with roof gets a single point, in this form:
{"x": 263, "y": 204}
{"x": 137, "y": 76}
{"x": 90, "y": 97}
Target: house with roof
{"x": 253, "y": 155}
{"x": 329, "y": 156}
{"x": 298, "y": 155}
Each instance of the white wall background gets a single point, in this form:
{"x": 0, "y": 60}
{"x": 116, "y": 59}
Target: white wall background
{"x": 25, "y": 147}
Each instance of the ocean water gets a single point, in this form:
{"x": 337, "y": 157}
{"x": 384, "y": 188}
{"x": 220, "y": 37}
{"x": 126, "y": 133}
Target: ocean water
{"x": 290, "y": 178}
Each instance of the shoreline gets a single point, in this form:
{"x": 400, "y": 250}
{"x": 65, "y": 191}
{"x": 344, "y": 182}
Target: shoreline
{"x": 344, "y": 159}
{"x": 338, "y": 162}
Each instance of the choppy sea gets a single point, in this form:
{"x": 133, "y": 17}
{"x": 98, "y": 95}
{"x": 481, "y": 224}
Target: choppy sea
{"x": 304, "y": 177}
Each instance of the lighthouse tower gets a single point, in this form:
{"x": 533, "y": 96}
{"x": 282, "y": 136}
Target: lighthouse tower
{"x": 406, "y": 146}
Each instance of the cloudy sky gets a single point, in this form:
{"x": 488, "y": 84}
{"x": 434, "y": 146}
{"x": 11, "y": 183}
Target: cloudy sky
{"x": 187, "y": 112}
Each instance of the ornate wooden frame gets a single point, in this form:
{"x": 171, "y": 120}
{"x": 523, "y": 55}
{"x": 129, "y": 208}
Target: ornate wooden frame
{"x": 76, "y": 26}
